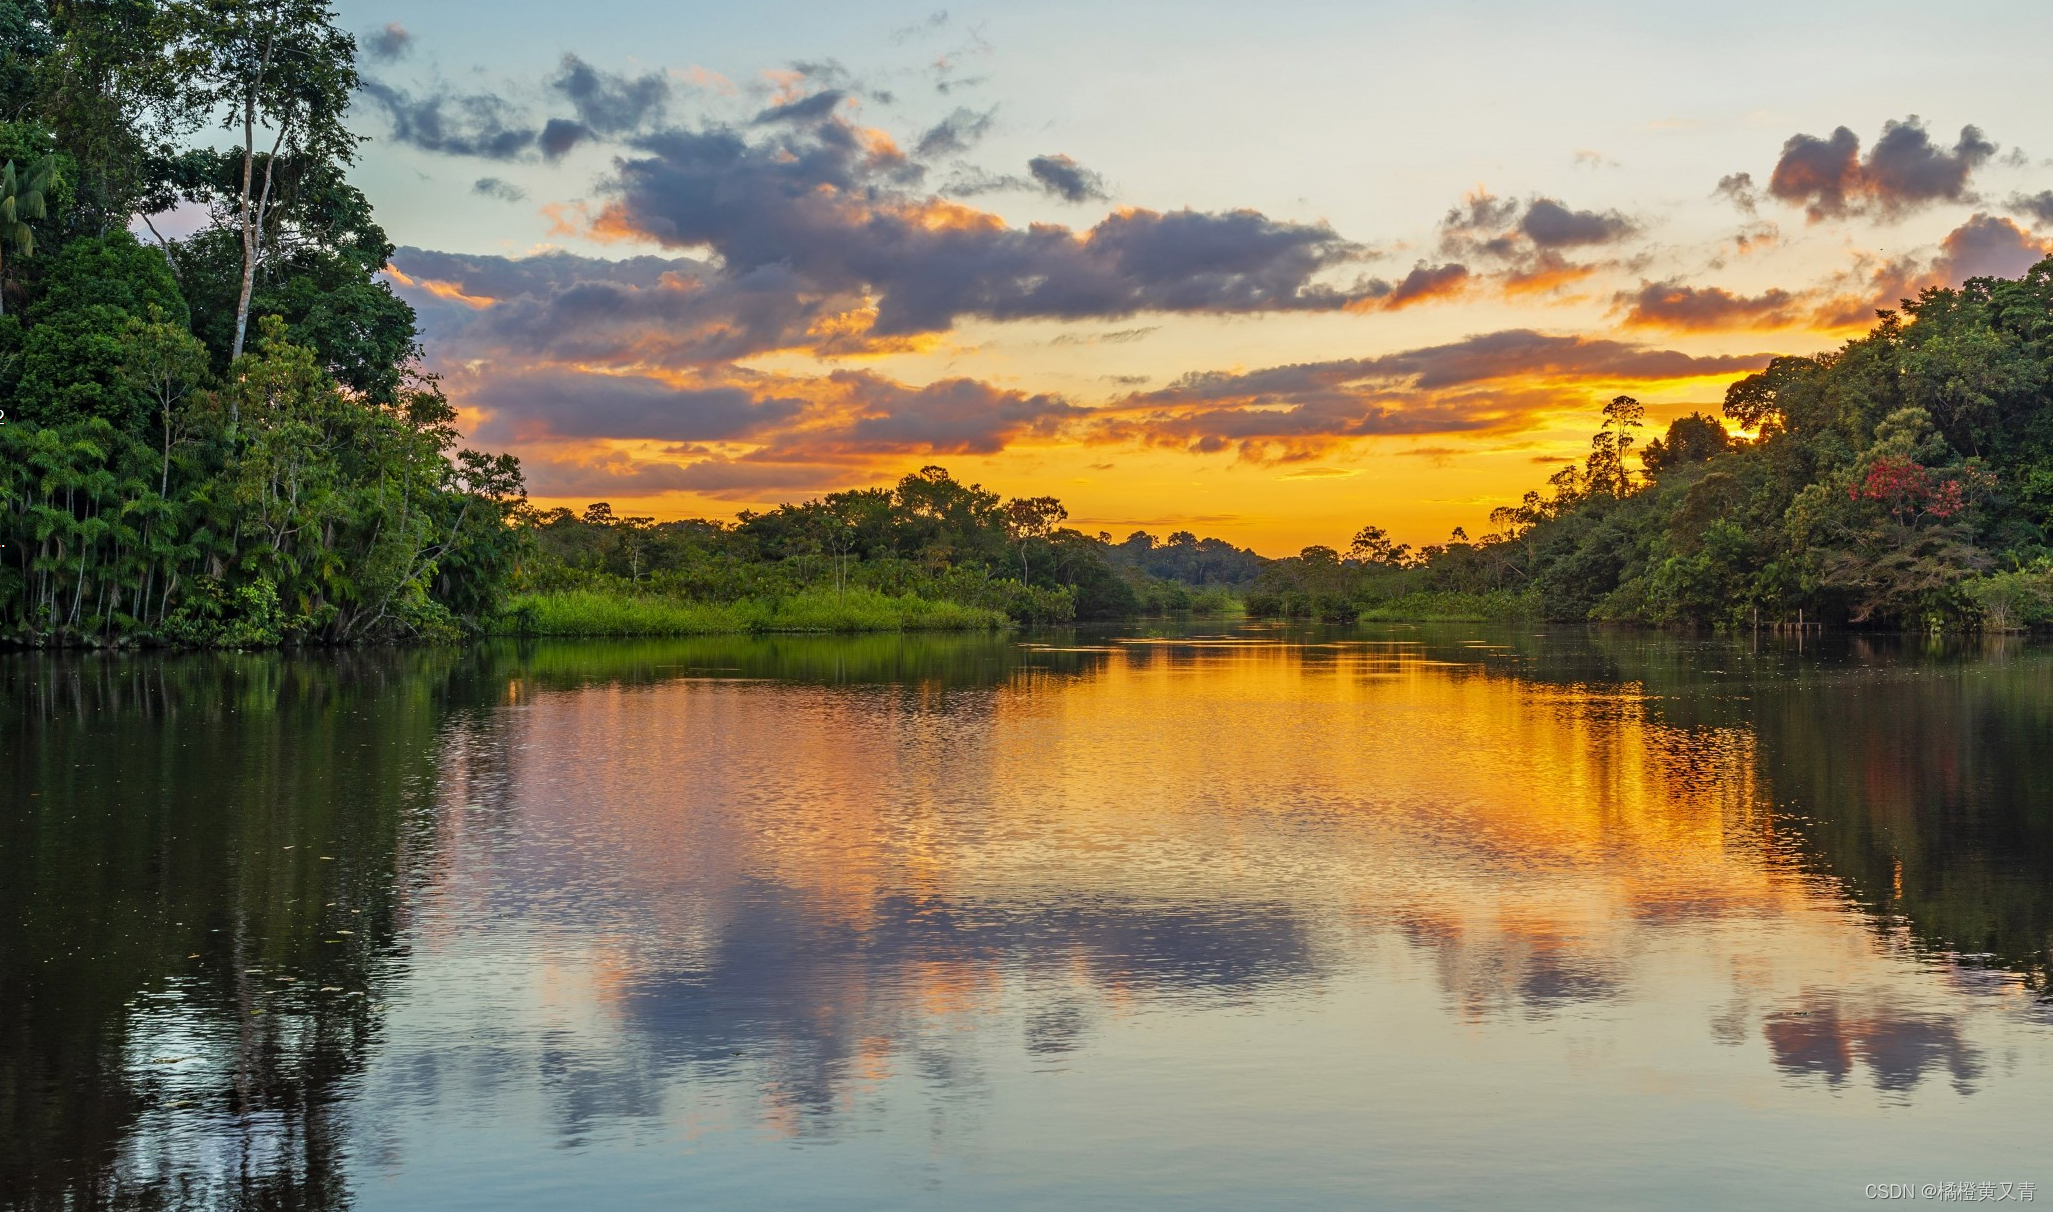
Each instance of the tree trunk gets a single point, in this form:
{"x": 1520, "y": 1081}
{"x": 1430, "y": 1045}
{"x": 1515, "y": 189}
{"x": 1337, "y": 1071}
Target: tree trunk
{"x": 252, "y": 210}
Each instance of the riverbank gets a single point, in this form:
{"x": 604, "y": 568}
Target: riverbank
{"x": 597, "y": 613}
{"x": 1451, "y": 607}
{"x": 1420, "y": 607}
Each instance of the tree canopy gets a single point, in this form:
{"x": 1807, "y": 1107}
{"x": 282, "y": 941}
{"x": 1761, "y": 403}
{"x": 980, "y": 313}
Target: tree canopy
{"x": 1902, "y": 480}
{"x": 228, "y": 438}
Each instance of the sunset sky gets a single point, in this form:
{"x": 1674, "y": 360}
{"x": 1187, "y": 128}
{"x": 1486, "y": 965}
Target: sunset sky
{"x": 1266, "y": 272}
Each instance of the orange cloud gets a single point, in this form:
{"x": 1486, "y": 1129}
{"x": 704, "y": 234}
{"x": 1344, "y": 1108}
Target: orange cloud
{"x": 1545, "y": 274}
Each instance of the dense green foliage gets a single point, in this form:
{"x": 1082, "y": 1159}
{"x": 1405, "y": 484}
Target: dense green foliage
{"x": 929, "y": 540}
{"x": 1904, "y": 480}
{"x": 1187, "y": 559}
{"x": 222, "y": 440}
{"x": 589, "y": 612}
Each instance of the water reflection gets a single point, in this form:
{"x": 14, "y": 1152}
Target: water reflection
{"x": 1898, "y": 1049}
{"x": 291, "y": 927}
{"x": 204, "y": 860}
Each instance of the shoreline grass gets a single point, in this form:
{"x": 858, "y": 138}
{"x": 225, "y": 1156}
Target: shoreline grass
{"x": 1495, "y": 607}
{"x": 597, "y": 613}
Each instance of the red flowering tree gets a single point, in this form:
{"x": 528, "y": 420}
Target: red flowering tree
{"x": 1912, "y": 492}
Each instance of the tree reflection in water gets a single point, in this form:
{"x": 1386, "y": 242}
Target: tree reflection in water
{"x": 221, "y": 873}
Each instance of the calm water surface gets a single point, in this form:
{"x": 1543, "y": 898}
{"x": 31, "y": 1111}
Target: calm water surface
{"x": 1243, "y": 919}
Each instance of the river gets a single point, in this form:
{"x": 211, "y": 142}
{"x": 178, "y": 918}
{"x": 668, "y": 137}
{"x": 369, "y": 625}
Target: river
{"x": 1207, "y": 917}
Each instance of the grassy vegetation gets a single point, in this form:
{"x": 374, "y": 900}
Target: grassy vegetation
{"x": 1451, "y": 607}
{"x": 1215, "y": 602}
{"x": 598, "y": 612}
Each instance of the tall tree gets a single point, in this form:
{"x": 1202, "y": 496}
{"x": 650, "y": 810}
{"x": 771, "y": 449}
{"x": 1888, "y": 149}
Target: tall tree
{"x": 1029, "y": 518}
{"x": 165, "y": 362}
{"x": 1606, "y": 470}
{"x": 107, "y": 84}
{"x": 277, "y": 68}
{"x": 24, "y": 41}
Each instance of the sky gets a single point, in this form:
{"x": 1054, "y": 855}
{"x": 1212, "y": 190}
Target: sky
{"x": 1270, "y": 273}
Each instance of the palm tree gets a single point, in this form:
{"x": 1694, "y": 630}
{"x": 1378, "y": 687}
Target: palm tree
{"x": 21, "y": 199}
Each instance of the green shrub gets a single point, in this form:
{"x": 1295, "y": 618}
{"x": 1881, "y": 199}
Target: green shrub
{"x": 599, "y": 612}
{"x": 215, "y": 616}
{"x": 1494, "y": 606}
{"x": 2015, "y": 600}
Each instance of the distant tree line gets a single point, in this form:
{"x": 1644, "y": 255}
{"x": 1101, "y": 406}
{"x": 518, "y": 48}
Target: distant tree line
{"x": 1904, "y": 480}
{"x": 1187, "y": 559}
{"x": 929, "y": 535}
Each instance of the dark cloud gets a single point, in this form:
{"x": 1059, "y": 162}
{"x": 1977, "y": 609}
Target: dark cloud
{"x": 1523, "y": 241}
{"x": 1543, "y": 272}
{"x": 605, "y": 105}
{"x": 506, "y": 278}
{"x": 558, "y": 349}
{"x": 829, "y": 73}
{"x": 478, "y": 124}
{"x": 1819, "y": 173}
{"x": 1739, "y": 189}
{"x": 610, "y": 104}
{"x": 1482, "y": 224}
{"x": 560, "y": 307}
{"x": 1988, "y": 247}
{"x": 1067, "y": 179}
{"x": 846, "y": 415}
{"x": 1549, "y": 224}
{"x": 1427, "y": 282}
{"x": 1904, "y": 171}
{"x": 955, "y": 134}
{"x": 804, "y": 109}
{"x": 560, "y": 136}
{"x": 954, "y": 416}
{"x": 1491, "y": 226}
{"x": 969, "y": 181}
{"x": 389, "y": 43}
{"x": 1984, "y": 246}
{"x": 567, "y": 404}
{"x": 830, "y": 204}
{"x": 2039, "y": 206}
{"x": 1497, "y": 381}
{"x": 1513, "y": 353}
{"x": 1673, "y": 305}
{"x": 493, "y": 187}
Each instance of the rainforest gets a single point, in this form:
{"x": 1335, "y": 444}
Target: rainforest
{"x": 231, "y": 438}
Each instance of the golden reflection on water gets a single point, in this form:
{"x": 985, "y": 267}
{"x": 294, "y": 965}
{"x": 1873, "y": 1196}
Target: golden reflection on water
{"x": 1272, "y": 918}
{"x": 845, "y": 871}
